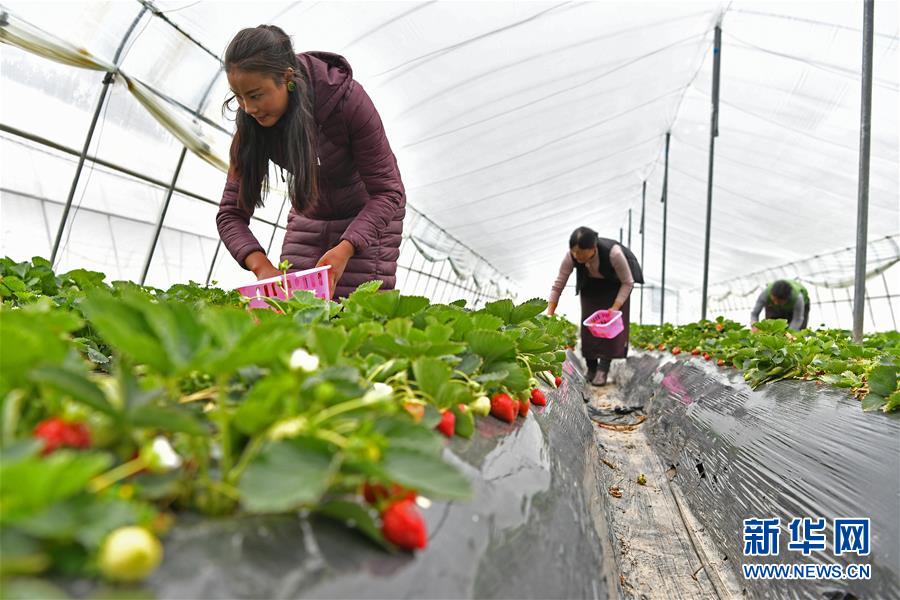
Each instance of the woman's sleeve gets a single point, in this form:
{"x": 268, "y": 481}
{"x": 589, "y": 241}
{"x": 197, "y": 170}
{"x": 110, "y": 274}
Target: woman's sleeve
{"x": 565, "y": 270}
{"x": 233, "y": 222}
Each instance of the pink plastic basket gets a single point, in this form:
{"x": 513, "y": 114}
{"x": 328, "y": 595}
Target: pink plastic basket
{"x": 313, "y": 280}
{"x": 605, "y": 323}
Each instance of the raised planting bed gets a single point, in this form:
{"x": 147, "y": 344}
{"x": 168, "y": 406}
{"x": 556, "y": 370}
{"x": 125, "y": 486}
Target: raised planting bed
{"x": 790, "y": 449}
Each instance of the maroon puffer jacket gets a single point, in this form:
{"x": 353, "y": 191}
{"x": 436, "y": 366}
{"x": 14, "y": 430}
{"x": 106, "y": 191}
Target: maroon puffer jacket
{"x": 361, "y": 196}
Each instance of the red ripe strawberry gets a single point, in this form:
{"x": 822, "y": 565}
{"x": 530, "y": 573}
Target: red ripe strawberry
{"x": 52, "y": 431}
{"x": 676, "y": 350}
{"x": 447, "y": 424}
{"x": 695, "y": 352}
{"x": 504, "y": 408}
{"x": 707, "y": 356}
{"x": 661, "y": 347}
{"x": 558, "y": 382}
{"x": 56, "y": 433}
{"x": 402, "y": 525}
{"x": 538, "y": 398}
{"x": 721, "y": 362}
{"x": 719, "y": 327}
{"x": 77, "y": 436}
{"x": 524, "y": 405}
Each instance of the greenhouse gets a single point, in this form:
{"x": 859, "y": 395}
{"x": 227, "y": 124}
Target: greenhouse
{"x": 449, "y": 299}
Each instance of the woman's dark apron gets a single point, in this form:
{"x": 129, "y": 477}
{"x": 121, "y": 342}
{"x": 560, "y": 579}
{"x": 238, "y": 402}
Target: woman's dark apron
{"x": 597, "y": 294}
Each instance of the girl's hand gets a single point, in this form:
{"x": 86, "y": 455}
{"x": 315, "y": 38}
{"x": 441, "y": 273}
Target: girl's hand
{"x": 268, "y": 272}
{"x": 261, "y": 266}
{"x": 551, "y": 308}
{"x": 337, "y": 257}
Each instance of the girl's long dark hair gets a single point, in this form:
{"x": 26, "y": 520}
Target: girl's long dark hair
{"x": 268, "y": 50}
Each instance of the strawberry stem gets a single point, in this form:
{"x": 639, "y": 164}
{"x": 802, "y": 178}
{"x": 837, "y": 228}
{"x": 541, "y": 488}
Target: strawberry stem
{"x": 343, "y": 407}
{"x": 332, "y": 437}
{"x": 123, "y": 471}
{"x": 248, "y": 455}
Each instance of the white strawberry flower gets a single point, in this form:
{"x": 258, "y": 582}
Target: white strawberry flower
{"x": 167, "y": 455}
{"x": 301, "y": 360}
{"x": 159, "y": 456}
{"x": 380, "y": 391}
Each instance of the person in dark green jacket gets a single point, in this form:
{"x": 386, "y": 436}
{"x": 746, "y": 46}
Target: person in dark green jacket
{"x": 784, "y": 299}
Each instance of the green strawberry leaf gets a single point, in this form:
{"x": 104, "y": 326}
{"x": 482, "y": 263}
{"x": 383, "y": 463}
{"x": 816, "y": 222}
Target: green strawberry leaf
{"x": 126, "y": 328}
{"x": 85, "y": 519}
{"x": 263, "y": 405}
{"x": 492, "y": 376}
{"x": 32, "y": 484}
{"x": 328, "y": 342}
{"x": 431, "y": 418}
{"x": 873, "y": 402}
{"x": 286, "y": 475}
{"x": 36, "y": 339}
{"x": 353, "y": 515}
{"x": 453, "y": 393}
{"x": 181, "y": 335}
{"x": 426, "y": 473}
{"x": 402, "y": 433}
{"x": 398, "y": 327}
{"x": 492, "y": 346}
{"x": 431, "y": 374}
{"x": 892, "y": 403}
{"x": 391, "y": 305}
{"x": 172, "y": 420}
{"x": 469, "y": 364}
{"x": 501, "y": 308}
{"x": 883, "y": 380}
{"x": 360, "y": 334}
{"x": 75, "y": 384}
{"x": 260, "y": 344}
{"x": 527, "y": 310}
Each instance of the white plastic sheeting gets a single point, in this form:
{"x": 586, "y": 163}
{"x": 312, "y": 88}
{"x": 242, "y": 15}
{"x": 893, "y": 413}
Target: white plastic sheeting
{"x": 515, "y": 122}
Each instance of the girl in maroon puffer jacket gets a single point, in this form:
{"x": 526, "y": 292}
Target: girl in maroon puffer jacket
{"x": 305, "y": 113}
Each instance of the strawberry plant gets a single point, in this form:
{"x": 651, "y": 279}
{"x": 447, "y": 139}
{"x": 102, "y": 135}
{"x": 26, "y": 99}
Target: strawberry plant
{"x": 774, "y": 352}
{"x": 125, "y": 404}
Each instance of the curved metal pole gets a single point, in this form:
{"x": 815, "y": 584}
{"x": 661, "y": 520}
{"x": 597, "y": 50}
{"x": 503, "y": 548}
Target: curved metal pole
{"x": 212, "y": 264}
{"x": 629, "y": 228}
{"x": 162, "y": 216}
{"x": 665, "y": 201}
{"x": 865, "y": 146}
{"x": 713, "y": 134}
{"x": 107, "y": 80}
